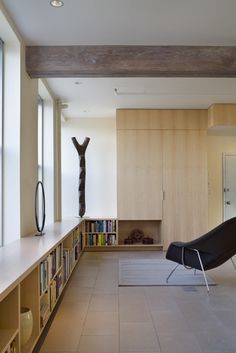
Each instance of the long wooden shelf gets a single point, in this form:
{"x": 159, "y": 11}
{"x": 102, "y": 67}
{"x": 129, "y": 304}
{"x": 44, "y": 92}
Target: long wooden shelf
{"x": 28, "y": 252}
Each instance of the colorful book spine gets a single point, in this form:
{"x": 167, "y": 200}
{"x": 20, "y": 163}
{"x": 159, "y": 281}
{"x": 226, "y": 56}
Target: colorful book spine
{"x": 53, "y": 294}
{"x": 43, "y": 276}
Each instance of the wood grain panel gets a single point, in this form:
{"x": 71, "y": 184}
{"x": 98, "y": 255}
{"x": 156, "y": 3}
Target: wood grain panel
{"x": 185, "y": 208}
{"x": 139, "y": 175}
{"x": 163, "y": 119}
{"x": 131, "y": 61}
{"x": 222, "y": 115}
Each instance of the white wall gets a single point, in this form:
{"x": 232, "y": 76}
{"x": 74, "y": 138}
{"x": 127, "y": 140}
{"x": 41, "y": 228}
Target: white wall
{"x": 101, "y": 198}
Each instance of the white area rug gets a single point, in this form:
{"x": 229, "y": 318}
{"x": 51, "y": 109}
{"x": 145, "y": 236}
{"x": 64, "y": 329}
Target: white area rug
{"x": 153, "y": 272}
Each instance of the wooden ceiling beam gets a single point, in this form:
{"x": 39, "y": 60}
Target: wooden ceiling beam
{"x": 131, "y": 61}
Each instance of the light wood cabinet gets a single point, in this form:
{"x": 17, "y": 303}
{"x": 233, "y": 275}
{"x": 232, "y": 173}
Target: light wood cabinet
{"x": 162, "y": 119}
{"x": 185, "y": 207}
{"x": 139, "y": 169}
{"x": 162, "y": 171}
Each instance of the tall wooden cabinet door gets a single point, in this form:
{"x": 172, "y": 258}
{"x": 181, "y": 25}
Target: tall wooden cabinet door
{"x": 139, "y": 173}
{"x": 185, "y": 205}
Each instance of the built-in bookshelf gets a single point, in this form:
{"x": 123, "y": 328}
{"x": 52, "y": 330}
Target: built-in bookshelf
{"x": 50, "y": 270}
{"x": 72, "y": 250}
{"x": 9, "y": 323}
{"x": 29, "y": 298}
{"x": 151, "y": 230}
{"x": 55, "y": 271}
{"x": 35, "y": 280}
{"x": 101, "y": 232}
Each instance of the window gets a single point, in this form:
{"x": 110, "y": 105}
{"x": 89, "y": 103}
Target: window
{"x": 46, "y": 147}
{"x": 40, "y": 156}
{"x": 40, "y": 138}
{"x": 1, "y": 129}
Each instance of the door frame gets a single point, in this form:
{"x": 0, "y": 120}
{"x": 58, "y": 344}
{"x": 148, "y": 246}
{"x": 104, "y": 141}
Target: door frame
{"x": 224, "y": 154}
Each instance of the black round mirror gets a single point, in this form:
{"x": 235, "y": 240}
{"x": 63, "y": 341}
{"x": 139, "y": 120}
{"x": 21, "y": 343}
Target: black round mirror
{"x": 39, "y": 207}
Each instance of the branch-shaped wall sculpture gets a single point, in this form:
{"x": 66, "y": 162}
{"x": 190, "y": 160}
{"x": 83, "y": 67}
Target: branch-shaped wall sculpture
{"x": 81, "y": 149}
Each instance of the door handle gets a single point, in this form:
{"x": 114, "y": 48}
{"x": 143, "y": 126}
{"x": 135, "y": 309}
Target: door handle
{"x": 227, "y": 202}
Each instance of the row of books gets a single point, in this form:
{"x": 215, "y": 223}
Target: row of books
{"x": 49, "y": 298}
{"x": 54, "y": 261}
{"x": 67, "y": 264}
{"x": 101, "y": 239}
{"x": 49, "y": 267}
{"x": 44, "y": 309}
{"x": 54, "y": 272}
{"x": 43, "y": 276}
{"x": 55, "y": 289}
{"x": 102, "y": 226}
{"x": 44, "y": 314}
{"x": 70, "y": 257}
{"x": 76, "y": 236}
{"x": 75, "y": 254}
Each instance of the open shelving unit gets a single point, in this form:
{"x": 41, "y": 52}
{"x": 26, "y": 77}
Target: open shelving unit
{"x": 9, "y": 322}
{"x": 101, "y": 233}
{"x": 41, "y": 269}
{"x": 108, "y": 234}
{"x": 29, "y": 297}
{"x": 35, "y": 281}
{"x": 72, "y": 250}
{"x": 150, "y": 229}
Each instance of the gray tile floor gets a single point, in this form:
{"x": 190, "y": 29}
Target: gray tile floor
{"x": 97, "y": 316}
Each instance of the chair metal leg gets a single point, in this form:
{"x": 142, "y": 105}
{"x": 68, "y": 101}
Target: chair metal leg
{"x": 233, "y": 263}
{"x": 171, "y": 273}
{"x": 200, "y": 261}
{"x": 202, "y": 268}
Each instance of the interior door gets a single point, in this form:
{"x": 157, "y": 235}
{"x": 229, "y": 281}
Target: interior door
{"x": 229, "y": 186}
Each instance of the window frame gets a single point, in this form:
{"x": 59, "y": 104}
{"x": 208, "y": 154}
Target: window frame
{"x": 1, "y": 137}
{"x": 40, "y": 139}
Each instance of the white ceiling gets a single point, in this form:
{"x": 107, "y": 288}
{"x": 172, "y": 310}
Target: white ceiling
{"x": 129, "y": 22}
{"x": 144, "y": 22}
{"x": 96, "y": 97}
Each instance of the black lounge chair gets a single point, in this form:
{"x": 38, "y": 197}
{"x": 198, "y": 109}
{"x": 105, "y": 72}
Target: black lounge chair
{"x": 207, "y": 252}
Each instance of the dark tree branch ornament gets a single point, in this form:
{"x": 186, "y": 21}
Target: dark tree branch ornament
{"x": 81, "y": 149}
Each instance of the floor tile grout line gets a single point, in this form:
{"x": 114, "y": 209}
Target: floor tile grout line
{"x": 77, "y": 349}
{"x": 119, "y": 336}
{"x": 182, "y": 300}
{"x": 150, "y": 312}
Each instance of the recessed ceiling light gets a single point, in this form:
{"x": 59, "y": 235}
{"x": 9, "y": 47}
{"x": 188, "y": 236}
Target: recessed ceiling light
{"x": 56, "y": 3}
